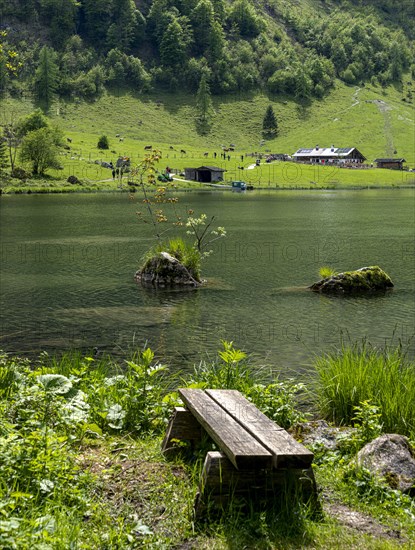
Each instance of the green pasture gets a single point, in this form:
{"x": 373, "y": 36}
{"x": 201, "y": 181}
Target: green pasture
{"x": 375, "y": 120}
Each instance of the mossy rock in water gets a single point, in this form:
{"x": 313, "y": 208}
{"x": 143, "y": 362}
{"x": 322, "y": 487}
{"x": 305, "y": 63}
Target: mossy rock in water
{"x": 364, "y": 280}
{"x": 164, "y": 270}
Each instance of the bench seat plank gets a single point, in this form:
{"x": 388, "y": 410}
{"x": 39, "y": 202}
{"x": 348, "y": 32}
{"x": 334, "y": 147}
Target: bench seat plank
{"x": 286, "y": 451}
{"x": 242, "y": 449}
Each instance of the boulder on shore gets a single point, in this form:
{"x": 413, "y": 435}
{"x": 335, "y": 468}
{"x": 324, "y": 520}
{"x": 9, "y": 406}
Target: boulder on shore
{"x": 164, "y": 270}
{"x": 363, "y": 280}
{"x": 390, "y": 457}
{"x": 73, "y": 180}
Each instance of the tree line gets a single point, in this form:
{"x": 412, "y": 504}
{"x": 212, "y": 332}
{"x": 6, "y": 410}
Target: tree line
{"x": 76, "y": 48}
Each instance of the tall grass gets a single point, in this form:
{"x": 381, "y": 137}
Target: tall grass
{"x": 360, "y": 373}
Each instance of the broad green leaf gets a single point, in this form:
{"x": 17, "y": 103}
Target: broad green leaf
{"x": 55, "y": 383}
{"x": 94, "y": 428}
{"x": 115, "y": 416}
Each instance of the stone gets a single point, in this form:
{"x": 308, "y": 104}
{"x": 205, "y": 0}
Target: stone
{"x": 20, "y": 173}
{"x": 164, "y": 270}
{"x": 364, "y": 280}
{"x": 73, "y": 180}
{"x": 321, "y": 434}
{"x": 390, "y": 457}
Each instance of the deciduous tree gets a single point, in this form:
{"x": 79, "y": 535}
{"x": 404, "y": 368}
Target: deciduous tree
{"x": 12, "y": 143}
{"x": 40, "y": 149}
{"x": 32, "y": 122}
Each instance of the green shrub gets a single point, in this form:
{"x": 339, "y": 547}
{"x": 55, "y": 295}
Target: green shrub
{"x": 367, "y": 426}
{"x": 103, "y": 143}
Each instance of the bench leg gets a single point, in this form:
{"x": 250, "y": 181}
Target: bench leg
{"x": 221, "y": 482}
{"x": 183, "y": 429}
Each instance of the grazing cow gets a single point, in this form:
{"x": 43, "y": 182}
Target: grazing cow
{"x": 148, "y": 148}
{"x": 117, "y": 135}
{"x": 69, "y": 140}
{"x": 121, "y": 139}
{"x": 171, "y": 148}
{"x": 183, "y": 152}
{"x": 231, "y": 149}
{"x": 205, "y": 154}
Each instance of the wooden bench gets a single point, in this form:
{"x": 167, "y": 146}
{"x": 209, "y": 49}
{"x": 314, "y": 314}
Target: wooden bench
{"x": 256, "y": 458}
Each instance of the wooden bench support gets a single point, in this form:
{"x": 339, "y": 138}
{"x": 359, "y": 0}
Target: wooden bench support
{"x": 221, "y": 483}
{"x": 183, "y": 430}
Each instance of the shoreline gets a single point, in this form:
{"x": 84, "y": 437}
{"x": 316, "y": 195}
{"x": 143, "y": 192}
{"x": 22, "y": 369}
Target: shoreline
{"x": 208, "y": 188}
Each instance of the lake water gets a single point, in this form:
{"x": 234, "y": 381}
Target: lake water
{"x": 68, "y": 261}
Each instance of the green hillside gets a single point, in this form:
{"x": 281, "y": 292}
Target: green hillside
{"x": 374, "y": 120}
{"x": 335, "y": 72}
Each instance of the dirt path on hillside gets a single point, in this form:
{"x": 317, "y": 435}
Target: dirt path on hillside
{"x": 355, "y": 98}
{"x": 385, "y": 111}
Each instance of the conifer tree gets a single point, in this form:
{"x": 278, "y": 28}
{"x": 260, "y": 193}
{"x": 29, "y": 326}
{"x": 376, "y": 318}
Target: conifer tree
{"x": 269, "y": 124}
{"x": 173, "y": 45}
{"x": 202, "y": 19}
{"x": 204, "y": 105}
{"x": 46, "y": 78}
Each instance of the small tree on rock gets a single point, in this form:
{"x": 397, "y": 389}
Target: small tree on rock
{"x": 269, "y": 124}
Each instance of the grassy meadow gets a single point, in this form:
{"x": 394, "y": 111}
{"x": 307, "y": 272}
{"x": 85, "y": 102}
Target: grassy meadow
{"x": 373, "y": 119}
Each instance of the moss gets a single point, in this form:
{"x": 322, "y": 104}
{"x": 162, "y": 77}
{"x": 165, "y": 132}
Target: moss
{"x": 366, "y": 279}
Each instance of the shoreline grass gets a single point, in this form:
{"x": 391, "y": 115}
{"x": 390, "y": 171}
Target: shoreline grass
{"x": 62, "y": 187}
{"x": 360, "y": 373}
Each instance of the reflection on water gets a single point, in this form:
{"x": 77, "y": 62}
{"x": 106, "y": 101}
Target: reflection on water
{"x": 68, "y": 264}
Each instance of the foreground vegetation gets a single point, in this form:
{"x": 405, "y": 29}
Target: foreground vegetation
{"x": 81, "y": 465}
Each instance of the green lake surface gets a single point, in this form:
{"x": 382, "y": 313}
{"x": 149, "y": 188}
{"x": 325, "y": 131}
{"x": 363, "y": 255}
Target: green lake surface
{"x": 68, "y": 264}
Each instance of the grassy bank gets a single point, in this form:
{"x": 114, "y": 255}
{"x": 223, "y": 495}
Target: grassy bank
{"x": 274, "y": 176}
{"x": 81, "y": 463}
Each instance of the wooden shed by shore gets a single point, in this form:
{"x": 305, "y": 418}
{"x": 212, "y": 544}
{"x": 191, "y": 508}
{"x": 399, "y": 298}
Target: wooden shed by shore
{"x": 204, "y": 174}
{"x": 392, "y": 164}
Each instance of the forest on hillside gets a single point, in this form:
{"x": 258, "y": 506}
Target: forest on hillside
{"x": 77, "y": 48}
